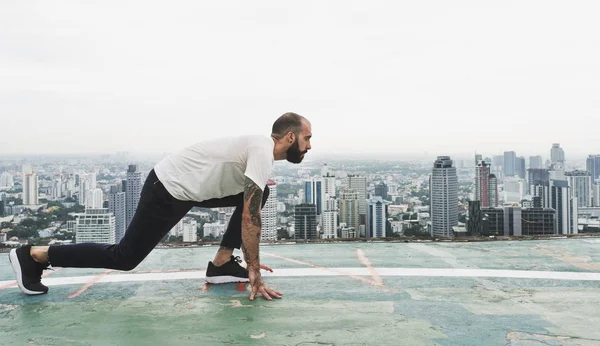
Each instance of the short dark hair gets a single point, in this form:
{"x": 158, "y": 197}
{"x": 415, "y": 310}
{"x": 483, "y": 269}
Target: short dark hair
{"x": 288, "y": 122}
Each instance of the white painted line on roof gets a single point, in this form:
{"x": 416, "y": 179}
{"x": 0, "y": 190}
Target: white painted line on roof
{"x": 316, "y": 272}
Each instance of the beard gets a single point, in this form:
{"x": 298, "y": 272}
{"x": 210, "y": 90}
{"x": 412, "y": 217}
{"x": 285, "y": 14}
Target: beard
{"x": 293, "y": 154}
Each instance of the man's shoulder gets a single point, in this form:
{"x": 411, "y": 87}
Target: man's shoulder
{"x": 258, "y": 140}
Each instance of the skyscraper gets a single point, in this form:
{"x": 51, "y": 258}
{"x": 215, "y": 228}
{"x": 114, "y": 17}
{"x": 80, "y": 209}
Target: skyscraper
{"x": 580, "y": 187}
{"x": 593, "y": 166}
{"x": 596, "y": 195}
{"x": 359, "y": 183}
{"x": 557, "y": 155}
{"x": 95, "y": 199}
{"x": 520, "y": 167}
{"x": 329, "y": 214}
{"x": 30, "y": 189}
{"x": 510, "y": 158}
{"x": 6, "y": 180}
{"x": 565, "y": 207}
{"x": 313, "y": 194}
{"x": 329, "y": 218}
{"x": 269, "y": 214}
{"x": 444, "y": 197}
{"x": 492, "y": 191}
{"x": 381, "y": 190}
{"x": 376, "y": 217}
{"x": 535, "y": 162}
{"x": 116, "y": 205}
{"x": 348, "y": 205}
{"x": 134, "y": 189}
{"x": 305, "y": 221}
{"x": 486, "y": 186}
{"x": 327, "y": 186}
{"x": 537, "y": 176}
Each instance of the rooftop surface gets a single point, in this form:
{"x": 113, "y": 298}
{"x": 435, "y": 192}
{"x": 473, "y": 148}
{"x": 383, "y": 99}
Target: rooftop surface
{"x": 542, "y": 292}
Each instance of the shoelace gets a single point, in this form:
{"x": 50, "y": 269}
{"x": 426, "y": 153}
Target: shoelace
{"x": 40, "y": 269}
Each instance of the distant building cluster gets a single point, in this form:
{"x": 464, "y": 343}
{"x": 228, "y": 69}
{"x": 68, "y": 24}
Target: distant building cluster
{"x": 499, "y": 195}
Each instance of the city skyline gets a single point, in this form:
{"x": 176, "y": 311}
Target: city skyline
{"x": 376, "y": 77}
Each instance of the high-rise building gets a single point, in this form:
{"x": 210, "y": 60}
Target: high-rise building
{"x": 329, "y": 214}
{"x": 348, "y": 205}
{"x": 443, "y": 184}
{"x": 134, "y": 189}
{"x": 190, "y": 230}
{"x": 30, "y": 189}
{"x": 95, "y": 226}
{"x": 305, "y": 221}
{"x": 474, "y": 226}
{"x": 565, "y": 207}
{"x": 593, "y": 166}
{"x": 329, "y": 222}
{"x": 596, "y": 195}
{"x": 376, "y": 218}
{"x": 116, "y": 205}
{"x": 510, "y": 158}
{"x": 313, "y": 194}
{"x": 520, "y": 167}
{"x": 580, "y": 187}
{"x": 95, "y": 199}
{"x": 478, "y": 159}
{"x": 6, "y": 180}
{"x": 359, "y": 183}
{"x": 517, "y": 221}
{"x": 486, "y": 186}
{"x": 537, "y": 176}
{"x": 58, "y": 188}
{"x": 557, "y": 155}
{"x": 2, "y": 204}
{"x": 514, "y": 190}
{"x": 535, "y": 162}
{"x": 492, "y": 191}
{"x": 381, "y": 190}
{"x": 269, "y": 214}
{"x": 327, "y": 186}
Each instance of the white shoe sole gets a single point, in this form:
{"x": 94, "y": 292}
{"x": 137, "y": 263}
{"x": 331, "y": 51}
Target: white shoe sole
{"x": 224, "y": 279}
{"x": 16, "y": 266}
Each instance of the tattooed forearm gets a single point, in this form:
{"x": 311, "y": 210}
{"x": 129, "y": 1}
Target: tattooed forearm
{"x": 251, "y": 222}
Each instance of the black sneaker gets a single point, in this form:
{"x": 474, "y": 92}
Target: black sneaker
{"x": 28, "y": 272}
{"x": 231, "y": 271}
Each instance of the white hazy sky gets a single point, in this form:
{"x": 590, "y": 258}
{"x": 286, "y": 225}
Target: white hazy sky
{"x": 404, "y": 77}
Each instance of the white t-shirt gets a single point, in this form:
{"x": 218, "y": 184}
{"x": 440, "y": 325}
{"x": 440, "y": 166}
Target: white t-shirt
{"x": 217, "y": 168}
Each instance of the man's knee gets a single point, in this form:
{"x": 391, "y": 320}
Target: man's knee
{"x": 126, "y": 260}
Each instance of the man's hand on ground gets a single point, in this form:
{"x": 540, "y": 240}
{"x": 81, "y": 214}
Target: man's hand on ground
{"x": 259, "y": 287}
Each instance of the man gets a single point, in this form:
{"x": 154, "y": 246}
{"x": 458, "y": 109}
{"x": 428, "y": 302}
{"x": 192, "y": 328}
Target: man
{"x": 214, "y": 173}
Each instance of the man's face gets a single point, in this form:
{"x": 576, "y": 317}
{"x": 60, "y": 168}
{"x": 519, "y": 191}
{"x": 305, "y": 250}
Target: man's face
{"x": 294, "y": 154}
{"x": 301, "y": 145}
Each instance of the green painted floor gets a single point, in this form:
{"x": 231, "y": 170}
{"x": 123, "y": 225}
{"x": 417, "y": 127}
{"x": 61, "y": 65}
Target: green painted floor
{"x": 334, "y": 294}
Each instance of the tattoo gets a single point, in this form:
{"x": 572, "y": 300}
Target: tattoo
{"x": 251, "y": 222}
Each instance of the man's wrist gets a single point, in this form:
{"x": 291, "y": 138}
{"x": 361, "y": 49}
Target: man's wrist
{"x": 253, "y": 265}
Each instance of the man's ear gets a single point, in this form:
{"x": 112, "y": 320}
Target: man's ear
{"x": 291, "y": 137}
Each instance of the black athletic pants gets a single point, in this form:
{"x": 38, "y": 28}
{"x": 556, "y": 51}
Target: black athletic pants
{"x": 156, "y": 214}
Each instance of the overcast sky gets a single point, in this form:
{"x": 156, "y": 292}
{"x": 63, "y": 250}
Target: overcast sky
{"x": 406, "y": 77}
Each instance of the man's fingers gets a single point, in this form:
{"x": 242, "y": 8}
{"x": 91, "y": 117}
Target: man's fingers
{"x": 263, "y": 291}
{"x": 274, "y": 293}
{"x": 262, "y": 266}
{"x": 253, "y": 294}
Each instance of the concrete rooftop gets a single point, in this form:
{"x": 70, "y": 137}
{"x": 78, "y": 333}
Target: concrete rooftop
{"x": 543, "y": 292}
